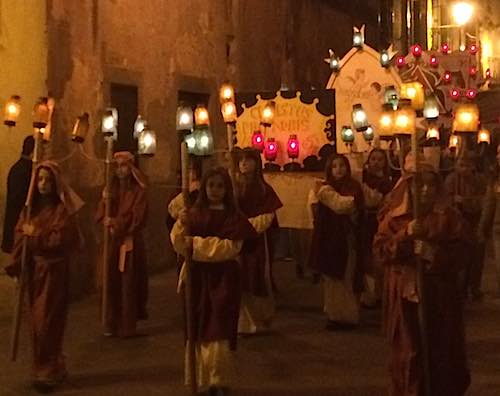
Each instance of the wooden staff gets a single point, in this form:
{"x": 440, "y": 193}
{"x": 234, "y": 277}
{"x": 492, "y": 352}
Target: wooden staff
{"x": 422, "y": 317}
{"x": 23, "y": 277}
{"x": 188, "y": 292}
{"x": 107, "y": 214}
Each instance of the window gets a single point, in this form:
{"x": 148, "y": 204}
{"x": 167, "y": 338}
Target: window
{"x": 125, "y": 99}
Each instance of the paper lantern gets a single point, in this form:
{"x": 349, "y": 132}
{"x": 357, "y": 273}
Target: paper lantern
{"x": 484, "y": 136}
{"x": 201, "y": 117}
{"x": 466, "y": 118}
{"x": 204, "y": 141}
{"x": 359, "y": 118}
{"x": 267, "y": 113}
{"x": 386, "y": 123}
{"x": 433, "y": 133}
{"x": 109, "y": 122}
{"x": 431, "y": 107}
{"x": 271, "y": 150}
{"x": 347, "y": 134}
{"x": 184, "y": 118}
{"x": 258, "y": 141}
{"x": 226, "y": 93}
{"x": 147, "y": 142}
{"x": 228, "y": 110}
{"x": 12, "y": 110}
{"x": 191, "y": 143}
{"x": 293, "y": 147}
{"x": 414, "y": 91}
{"x": 405, "y": 119}
{"x": 81, "y": 128}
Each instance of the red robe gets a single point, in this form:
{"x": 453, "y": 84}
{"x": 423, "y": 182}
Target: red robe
{"x": 49, "y": 253}
{"x": 217, "y": 286}
{"x": 128, "y": 287}
{"x": 254, "y": 203}
{"x": 444, "y": 308}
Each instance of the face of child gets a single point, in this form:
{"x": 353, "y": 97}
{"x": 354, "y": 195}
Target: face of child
{"x": 122, "y": 169}
{"x": 339, "y": 169}
{"x": 376, "y": 163}
{"x": 216, "y": 190}
{"x": 45, "y": 182}
{"x": 247, "y": 165}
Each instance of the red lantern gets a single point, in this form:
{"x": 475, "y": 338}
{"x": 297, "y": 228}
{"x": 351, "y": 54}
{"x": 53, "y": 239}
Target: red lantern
{"x": 271, "y": 151}
{"x": 471, "y": 93}
{"x": 416, "y": 50}
{"x": 400, "y": 61}
{"x": 447, "y": 77}
{"x": 488, "y": 73}
{"x": 445, "y": 49}
{"x": 293, "y": 147}
{"x": 434, "y": 61}
{"x": 258, "y": 141}
{"x": 455, "y": 94}
{"x": 473, "y": 49}
{"x": 473, "y": 71}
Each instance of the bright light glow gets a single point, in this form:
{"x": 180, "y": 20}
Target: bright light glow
{"x": 411, "y": 92}
{"x": 447, "y": 76}
{"x": 108, "y": 123}
{"x": 357, "y": 39}
{"x": 191, "y": 142}
{"x": 486, "y": 50}
{"x": 463, "y": 48}
{"x": 229, "y": 112}
{"x": 462, "y": 12}
{"x": 483, "y": 136}
{"x": 148, "y": 140}
{"x": 453, "y": 141}
{"x": 465, "y": 117}
{"x": 400, "y": 61}
{"x": 258, "y": 139}
{"x": 201, "y": 116}
{"x": 267, "y": 113}
{"x": 445, "y": 49}
{"x": 204, "y": 141}
{"x": 471, "y": 93}
{"x": 433, "y": 133}
{"x": 402, "y": 121}
{"x": 293, "y": 145}
{"x": 272, "y": 147}
{"x": 386, "y": 120}
{"x": 334, "y": 64}
{"x": 360, "y": 116}
{"x": 185, "y": 119}
{"x": 385, "y": 58}
{"x": 434, "y": 61}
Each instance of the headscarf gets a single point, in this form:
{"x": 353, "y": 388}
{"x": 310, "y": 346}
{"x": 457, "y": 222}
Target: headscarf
{"x": 68, "y": 197}
{"x": 346, "y": 185}
{"x": 128, "y": 158}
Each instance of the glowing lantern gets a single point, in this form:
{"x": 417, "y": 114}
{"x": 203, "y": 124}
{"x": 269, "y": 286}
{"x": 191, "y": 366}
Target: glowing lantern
{"x": 81, "y": 128}
{"x": 416, "y": 50}
{"x": 334, "y": 62}
{"x": 147, "y": 142}
{"x": 201, "y": 117}
{"x": 473, "y": 71}
{"x": 455, "y": 94}
{"x": 258, "y": 141}
{"x": 471, "y": 93}
{"x": 473, "y": 49}
{"x": 447, "y": 77}
{"x": 293, "y": 147}
{"x": 432, "y": 133}
{"x": 400, "y": 61}
{"x": 184, "y": 118}
{"x": 434, "y": 61}
{"x": 391, "y": 96}
{"x": 204, "y": 141}
{"x": 229, "y": 112}
{"x": 445, "y": 49}
{"x": 347, "y": 135}
{"x": 226, "y": 93}
{"x": 484, "y": 136}
{"x": 386, "y": 123}
{"x": 453, "y": 143}
{"x": 41, "y": 113}
{"x": 191, "y": 143}
{"x": 368, "y": 134}
{"x": 358, "y": 39}
{"x": 431, "y": 107}
{"x": 267, "y": 113}
{"x": 462, "y": 12}
{"x": 139, "y": 126}
{"x": 385, "y": 59}
{"x": 359, "y": 117}
{"x": 12, "y": 110}
{"x": 466, "y": 118}
{"x": 109, "y": 122}
{"x": 405, "y": 119}
{"x": 271, "y": 150}
{"x": 413, "y": 91}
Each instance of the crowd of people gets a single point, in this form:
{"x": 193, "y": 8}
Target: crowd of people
{"x": 413, "y": 244}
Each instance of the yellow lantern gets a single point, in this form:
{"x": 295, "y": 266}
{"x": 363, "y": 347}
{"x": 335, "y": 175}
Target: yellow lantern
{"x": 405, "y": 120}
{"x": 226, "y": 93}
{"x": 184, "y": 118}
{"x": 386, "y": 123}
{"x": 267, "y": 113}
{"x": 466, "y": 118}
{"x": 414, "y": 91}
{"x": 147, "y": 142}
{"x": 228, "y": 110}
{"x": 433, "y": 133}
{"x": 81, "y": 128}
{"x": 41, "y": 113}
{"x": 201, "y": 116}
{"x": 484, "y": 136}
{"x": 12, "y": 110}
{"x": 453, "y": 144}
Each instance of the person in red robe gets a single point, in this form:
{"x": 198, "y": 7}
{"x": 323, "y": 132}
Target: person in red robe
{"x": 436, "y": 238}
{"x": 52, "y": 237}
{"x": 127, "y": 276}
{"x": 336, "y": 246}
{"x": 216, "y": 230}
{"x": 259, "y": 202}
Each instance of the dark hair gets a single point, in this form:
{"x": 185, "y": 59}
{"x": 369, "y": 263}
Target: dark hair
{"x": 326, "y": 151}
{"x": 258, "y": 181}
{"x": 36, "y": 194}
{"x": 229, "y": 200}
{"x": 328, "y": 167}
{"x": 28, "y": 145}
{"x": 386, "y": 169}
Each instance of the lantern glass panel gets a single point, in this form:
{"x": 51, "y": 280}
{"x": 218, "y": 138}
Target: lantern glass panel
{"x": 347, "y": 134}
{"x": 184, "y": 118}
{"x": 226, "y": 93}
{"x": 81, "y": 128}
{"x": 12, "y": 110}
{"x": 359, "y": 118}
{"x": 484, "y": 136}
{"x": 432, "y": 133}
{"x": 267, "y": 113}
{"x": 147, "y": 142}
{"x": 391, "y": 96}
{"x": 466, "y": 118}
{"x": 386, "y": 123}
{"x": 415, "y": 92}
{"x": 109, "y": 122}
{"x": 228, "y": 110}
{"x": 431, "y": 107}
{"x": 201, "y": 117}
{"x": 405, "y": 121}
{"x": 41, "y": 113}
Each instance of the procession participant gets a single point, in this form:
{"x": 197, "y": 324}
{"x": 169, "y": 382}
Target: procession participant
{"x": 335, "y": 251}
{"x": 216, "y": 230}
{"x": 377, "y": 183}
{"x": 18, "y": 182}
{"x": 127, "y": 276}
{"x": 436, "y": 237}
{"x": 467, "y": 188}
{"x": 259, "y": 202}
{"x": 53, "y": 237}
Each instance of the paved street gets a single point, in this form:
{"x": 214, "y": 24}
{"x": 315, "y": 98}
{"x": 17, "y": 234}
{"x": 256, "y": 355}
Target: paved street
{"x": 300, "y": 358}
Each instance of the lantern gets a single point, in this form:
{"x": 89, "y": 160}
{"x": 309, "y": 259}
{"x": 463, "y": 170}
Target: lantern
{"x": 413, "y": 91}
{"x": 466, "y": 118}
{"x": 473, "y": 49}
{"x": 271, "y": 150}
{"x": 434, "y": 62}
{"x": 445, "y": 49}
{"x": 258, "y": 141}
{"x": 228, "y": 110}
{"x": 455, "y": 94}
{"x": 293, "y": 147}
{"x": 359, "y": 118}
{"x": 81, "y": 128}
{"x": 201, "y": 117}
{"x": 41, "y": 113}
{"x": 147, "y": 142}
{"x": 462, "y": 12}
{"x": 12, "y": 110}
{"x": 447, "y": 77}
{"x": 184, "y": 118}
{"x": 358, "y": 39}
{"x": 432, "y": 133}
{"x": 471, "y": 93}
{"x": 405, "y": 119}
{"x": 204, "y": 140}
{"x": 416, "y": 51}
{"x": 191, "y": 143}
{"x": 109, "y": 122}
{"x": 391, "y": 96}
{"x": 400, "y": 61}
{"x": 334, "y": 62}
{"x": 267, "y": 113}
{"x": 347, "y": 134}
{"x": 473, "y": 71}
{"x": 431, "y": 107}
{"x": 139, "y": 126}
{"x": 386, "y": 123}
{"x": 368, "y": 134}
{"x": 226, "y": 93}
{"x": 385, "y": 59}
{"x": 484, "y": 136}
{"x": 453, "y": 143}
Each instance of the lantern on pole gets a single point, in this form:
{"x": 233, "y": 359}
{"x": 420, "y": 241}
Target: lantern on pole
{"x": 359, "y": 118}
{"x": 431, "y": 107}
{"x": 453, "y": 143}
{"x": 204, "y": 141}
{"x": 267, "y": 113}
{"x": 191, "y": 143}
{"x": 293, "y": 147}
{"x": 347, "y": 135}
{"x": 80, "y": 128}
{"x": 386, "y": 123}
{"x": 41, "y": 113}
{"x": 484, "y": 136}
{"x": 147, "y": 142}
{"x": 226, "y": 93}
{"x": 12, "y": 111}
{"x": 184, "y": 118}
{"x": 228, "y": 110}
{"x": 413, "y": 91}
{"x": 271, "y": 150}
{"x": 201, "y": 117}
{"x": 405, "y": 119}
{"x": 258, "y": 141}
{"x": 432, "y": 133}
{"x": 109, "y": 122}
{"x": 466, "y": 118}
{"x": 139, "y": 126}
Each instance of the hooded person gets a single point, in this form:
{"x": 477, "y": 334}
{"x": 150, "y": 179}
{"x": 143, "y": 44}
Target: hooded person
{"x": 436, "y": 237}
{"x": 52, "y": 237}
{"x": 336, "y": 250}
{"x": 259, "y": 202}
{"x": 127, "y": 277}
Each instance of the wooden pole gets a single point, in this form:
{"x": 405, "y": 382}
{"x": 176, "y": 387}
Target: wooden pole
{"x": 23, "y": 277}
{"x": 188, "y": 292}
{"x": 107, "y": 214}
